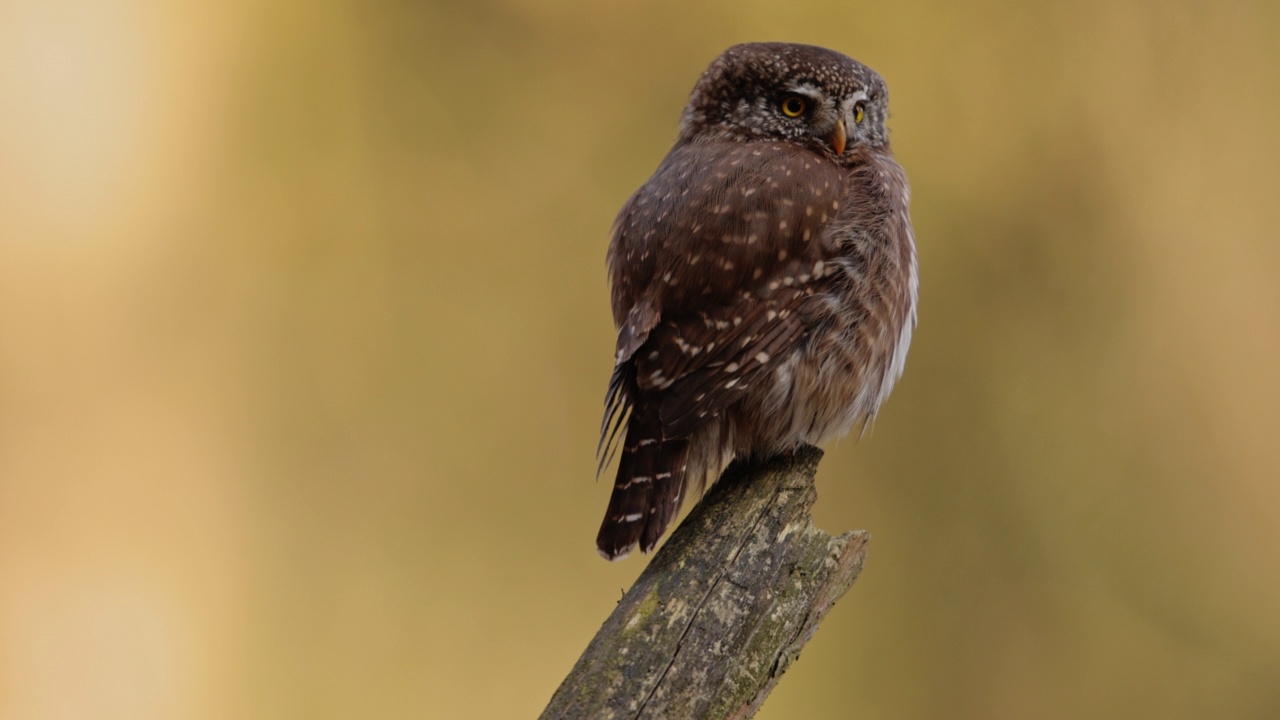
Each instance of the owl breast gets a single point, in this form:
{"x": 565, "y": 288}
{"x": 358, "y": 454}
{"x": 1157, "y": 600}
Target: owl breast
{"x": 858, "y": 322}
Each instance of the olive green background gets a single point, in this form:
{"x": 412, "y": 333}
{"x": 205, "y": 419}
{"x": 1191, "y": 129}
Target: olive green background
{"x": 304, "y": 336}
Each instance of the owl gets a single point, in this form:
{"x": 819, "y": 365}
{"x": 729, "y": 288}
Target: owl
{"x": 763, "y": 279}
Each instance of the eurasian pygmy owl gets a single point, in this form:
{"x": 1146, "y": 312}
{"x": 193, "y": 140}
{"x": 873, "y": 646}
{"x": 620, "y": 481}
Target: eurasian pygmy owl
{"x": 764, "y": 280}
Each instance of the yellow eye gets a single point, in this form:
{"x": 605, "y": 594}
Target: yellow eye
{"x": 858, "y": 113}
{"x": 793, "y": 106}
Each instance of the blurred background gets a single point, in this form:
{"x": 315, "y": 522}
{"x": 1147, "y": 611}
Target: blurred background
{"x": 304, "y": 335}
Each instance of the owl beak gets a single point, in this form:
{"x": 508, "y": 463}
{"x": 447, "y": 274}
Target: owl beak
{"x": 838, "y": 138}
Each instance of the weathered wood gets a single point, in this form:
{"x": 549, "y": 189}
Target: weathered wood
{"x": 724, "y": 607}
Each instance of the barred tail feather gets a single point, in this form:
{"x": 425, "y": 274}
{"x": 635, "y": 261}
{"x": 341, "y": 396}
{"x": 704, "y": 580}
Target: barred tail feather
{"x": 648, "y": 489}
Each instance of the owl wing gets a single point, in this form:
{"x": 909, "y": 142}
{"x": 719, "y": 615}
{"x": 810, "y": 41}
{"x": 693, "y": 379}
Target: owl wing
{"x": 695, "y": 366}
{"x": 704, "y": 364}
{"x": 710, "y": 262}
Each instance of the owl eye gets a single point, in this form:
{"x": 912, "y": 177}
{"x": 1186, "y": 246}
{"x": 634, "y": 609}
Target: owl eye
{"x": 793, "y": 106}
{"x": 859, "y": 112}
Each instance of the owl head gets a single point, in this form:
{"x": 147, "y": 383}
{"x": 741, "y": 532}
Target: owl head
{"x": 802, "y": 94}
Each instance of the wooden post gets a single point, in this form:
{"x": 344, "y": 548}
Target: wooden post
{"x": 724, "y": 607}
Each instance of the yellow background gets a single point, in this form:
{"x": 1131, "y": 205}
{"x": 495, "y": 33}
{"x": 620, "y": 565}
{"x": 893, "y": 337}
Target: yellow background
{"x": 304, "y": 337}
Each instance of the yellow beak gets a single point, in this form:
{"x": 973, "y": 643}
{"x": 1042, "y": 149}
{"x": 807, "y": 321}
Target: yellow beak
{"x": 838, "y": 138}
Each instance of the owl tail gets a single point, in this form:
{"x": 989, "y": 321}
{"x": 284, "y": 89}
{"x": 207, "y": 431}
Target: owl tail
{"x": 649, "y": 488}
